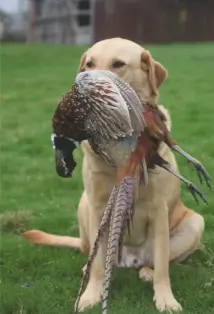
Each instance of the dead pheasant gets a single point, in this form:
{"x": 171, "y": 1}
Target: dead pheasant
{"x": 107, "y": 112}
{"x": 126, "y": 133}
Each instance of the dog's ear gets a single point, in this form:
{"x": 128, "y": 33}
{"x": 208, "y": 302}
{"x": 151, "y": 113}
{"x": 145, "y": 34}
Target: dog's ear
{"x": 81, "y": 67}
{"x": 157, "y": 73}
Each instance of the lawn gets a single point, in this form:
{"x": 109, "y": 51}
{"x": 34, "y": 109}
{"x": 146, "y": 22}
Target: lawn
{"x": 39, "y": 280}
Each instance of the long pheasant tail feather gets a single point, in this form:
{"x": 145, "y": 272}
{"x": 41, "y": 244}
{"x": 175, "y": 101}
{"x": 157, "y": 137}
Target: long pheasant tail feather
{"x": 122, "y": 207}
{"x": 130, "y": 185}
{"x": 103, "y": 227}
{"x": 120, "y": 244}
{"x": 108, "y": 271}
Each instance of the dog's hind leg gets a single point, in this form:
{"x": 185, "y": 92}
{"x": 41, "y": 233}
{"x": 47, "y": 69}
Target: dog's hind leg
{"x": 186, "y": 237}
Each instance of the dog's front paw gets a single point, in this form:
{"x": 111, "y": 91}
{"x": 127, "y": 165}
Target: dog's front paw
{"x": 91, "y": 296}
{"x": 165, "y": 300}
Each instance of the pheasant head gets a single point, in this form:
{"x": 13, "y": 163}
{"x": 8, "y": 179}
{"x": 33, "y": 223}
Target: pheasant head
{"x": 68, "y": 130}
{"x": 99, "y": 108}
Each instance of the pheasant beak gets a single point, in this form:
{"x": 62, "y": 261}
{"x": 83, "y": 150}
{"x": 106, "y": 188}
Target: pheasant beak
{"x": 64, "y": 160}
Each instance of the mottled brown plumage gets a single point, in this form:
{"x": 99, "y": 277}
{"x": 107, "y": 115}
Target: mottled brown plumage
{"x": 105, "y": 110}
{"x": 126, "y": 133}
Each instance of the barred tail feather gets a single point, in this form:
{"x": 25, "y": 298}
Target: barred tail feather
{"x": 121, "y": 240}
{"x": 103, "y": 227}
{"x": 130, "y": 186}
{"x": 122, "y": 212}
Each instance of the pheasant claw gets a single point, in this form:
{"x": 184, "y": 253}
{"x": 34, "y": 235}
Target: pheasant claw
{"x": 196, "y": 192}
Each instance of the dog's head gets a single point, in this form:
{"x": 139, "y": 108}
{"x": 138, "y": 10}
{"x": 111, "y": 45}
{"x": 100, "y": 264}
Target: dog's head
{"x": 128, "y": 60}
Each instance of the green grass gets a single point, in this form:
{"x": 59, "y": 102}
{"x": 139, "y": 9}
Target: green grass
{"x": 38, "y": 280}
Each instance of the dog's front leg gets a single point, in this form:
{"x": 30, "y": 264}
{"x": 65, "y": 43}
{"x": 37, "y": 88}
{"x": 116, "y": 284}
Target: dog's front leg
{"x": 94, "y": 289}
{"x": 163, "y": 296}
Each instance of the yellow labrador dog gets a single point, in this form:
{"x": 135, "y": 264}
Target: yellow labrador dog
{"x": 164, "y": 228}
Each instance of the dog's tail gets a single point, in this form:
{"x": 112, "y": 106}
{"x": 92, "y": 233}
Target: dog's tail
{"x": 42, "y": 238}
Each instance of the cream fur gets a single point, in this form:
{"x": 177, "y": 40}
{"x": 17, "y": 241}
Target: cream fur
{"x": 164, "y": 228}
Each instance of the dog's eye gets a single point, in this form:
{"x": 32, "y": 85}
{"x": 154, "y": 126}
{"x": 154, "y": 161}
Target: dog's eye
{"x": 118, "y": 64}
{"x": 89, "y": 64}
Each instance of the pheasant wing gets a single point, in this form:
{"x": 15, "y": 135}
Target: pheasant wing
{"x": 134, "y": 104}
{"x": 108, "y": 115}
